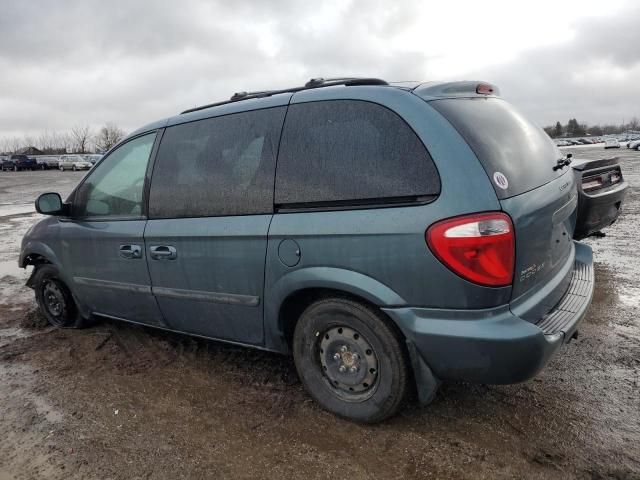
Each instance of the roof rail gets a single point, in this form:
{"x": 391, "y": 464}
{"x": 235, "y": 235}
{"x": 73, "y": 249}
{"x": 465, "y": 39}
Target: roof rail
{"x": 313, "y": 83}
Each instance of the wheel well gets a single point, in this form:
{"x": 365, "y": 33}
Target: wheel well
{"x": 35, "y": 259}
{"x": 297, "y": 302}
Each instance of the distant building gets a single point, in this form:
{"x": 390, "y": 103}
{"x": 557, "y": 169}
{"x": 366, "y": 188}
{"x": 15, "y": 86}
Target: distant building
{"x": 30, "y": 151}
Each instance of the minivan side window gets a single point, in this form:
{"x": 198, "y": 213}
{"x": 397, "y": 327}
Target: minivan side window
{"x": 115, "y": 188}
{"x": 217, "y": 166}
{"x": 351, "y": 151}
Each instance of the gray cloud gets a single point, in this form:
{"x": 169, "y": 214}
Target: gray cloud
{"x": 595, "y": 77}
{"x": 87, "y": 62}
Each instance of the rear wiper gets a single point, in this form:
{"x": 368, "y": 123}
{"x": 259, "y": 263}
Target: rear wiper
{"x": 563, "y": 162}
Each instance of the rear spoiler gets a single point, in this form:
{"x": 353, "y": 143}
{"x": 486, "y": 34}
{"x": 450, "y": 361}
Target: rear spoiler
{"x": 462, "y": 89}
{"x": 585, "y": 164}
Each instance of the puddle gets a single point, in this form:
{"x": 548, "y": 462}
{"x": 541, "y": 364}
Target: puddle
{"x": 13, "y": 290}
{"x": 8, "y": 335}
{"x": 7, "y": 210}
{"x": 11, "y": 268}
{"x": 630, "y": 296}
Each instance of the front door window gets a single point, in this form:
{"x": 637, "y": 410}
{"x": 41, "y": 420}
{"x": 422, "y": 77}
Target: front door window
{"x": 116, "y": 187}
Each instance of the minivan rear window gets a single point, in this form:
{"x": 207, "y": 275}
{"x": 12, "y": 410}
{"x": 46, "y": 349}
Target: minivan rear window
{"x": 517, "y": 155}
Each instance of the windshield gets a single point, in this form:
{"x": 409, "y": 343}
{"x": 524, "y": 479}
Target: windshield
{"x": 517, "y": 155}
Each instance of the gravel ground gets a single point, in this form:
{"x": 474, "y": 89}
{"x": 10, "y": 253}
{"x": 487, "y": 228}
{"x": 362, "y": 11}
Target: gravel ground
{"x": 120, "y": 401}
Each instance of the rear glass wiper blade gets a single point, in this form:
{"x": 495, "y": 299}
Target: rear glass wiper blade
{"x": 563, "y": 162}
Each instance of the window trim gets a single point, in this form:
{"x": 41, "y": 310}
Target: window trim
{"x": 358, "y": 204}
{"x": 144, "y": 202}
{"x": 354, "y": 204}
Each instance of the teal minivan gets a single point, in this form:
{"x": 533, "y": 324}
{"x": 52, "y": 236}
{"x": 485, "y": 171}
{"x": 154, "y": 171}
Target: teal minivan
{"x": 389, "y": 236}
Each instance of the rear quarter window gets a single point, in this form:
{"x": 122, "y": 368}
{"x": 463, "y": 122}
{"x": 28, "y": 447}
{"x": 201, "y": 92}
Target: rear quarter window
{"x": 517, "y": 155}
{"x": 352, "y": 152}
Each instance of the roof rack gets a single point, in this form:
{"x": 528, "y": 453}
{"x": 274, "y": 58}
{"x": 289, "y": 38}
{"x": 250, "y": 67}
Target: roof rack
{"x": 311, "y": 84}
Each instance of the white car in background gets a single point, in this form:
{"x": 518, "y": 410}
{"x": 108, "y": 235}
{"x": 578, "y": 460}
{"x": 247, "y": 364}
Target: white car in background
{"x": 73, "y": 162}
{"x": 611, "y": 143}
{"x": 634, "y": 145}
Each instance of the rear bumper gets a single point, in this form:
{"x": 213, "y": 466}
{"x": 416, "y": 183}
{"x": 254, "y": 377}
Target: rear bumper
{"x": 599, "y": 210}
{"x": 494, "y": 345}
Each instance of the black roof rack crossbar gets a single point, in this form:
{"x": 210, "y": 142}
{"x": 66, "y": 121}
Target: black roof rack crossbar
{"x": 313, "y": 83}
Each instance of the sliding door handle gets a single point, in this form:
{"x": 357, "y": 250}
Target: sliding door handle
{"x": 130, "y": 251}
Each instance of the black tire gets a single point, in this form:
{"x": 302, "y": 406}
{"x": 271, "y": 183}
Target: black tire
{"x": 54, "y": 298}
{"x": 323, "y": 331}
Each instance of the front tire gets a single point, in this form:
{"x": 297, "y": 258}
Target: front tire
{"x": 54, "y": 298}
{"x": 351, "y": 360}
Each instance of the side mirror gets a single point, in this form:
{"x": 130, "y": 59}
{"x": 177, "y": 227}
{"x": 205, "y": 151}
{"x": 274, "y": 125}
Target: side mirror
{"x": 50, "y": 204}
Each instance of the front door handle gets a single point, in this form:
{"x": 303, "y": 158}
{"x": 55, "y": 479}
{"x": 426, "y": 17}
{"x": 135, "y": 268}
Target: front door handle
{"x": 130, "y": 251}
{"x": 163, "y": 252}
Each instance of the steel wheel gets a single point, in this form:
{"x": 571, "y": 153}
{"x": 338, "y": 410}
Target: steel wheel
{"x": 350, "y": 359}
{"x": 54, "y": 301}
{"x": 349, "y": 363}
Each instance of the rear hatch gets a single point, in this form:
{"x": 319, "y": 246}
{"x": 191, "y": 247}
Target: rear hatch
{"x": 519, "y": 158}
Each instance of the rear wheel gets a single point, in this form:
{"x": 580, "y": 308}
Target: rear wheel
{"x": 61, "y": 168}
{"x": 351, "y": 360}
{"x": 54, "y": 298}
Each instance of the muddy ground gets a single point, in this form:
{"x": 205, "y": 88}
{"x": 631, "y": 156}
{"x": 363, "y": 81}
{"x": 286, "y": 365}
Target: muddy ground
{"x": 125, "y": 402}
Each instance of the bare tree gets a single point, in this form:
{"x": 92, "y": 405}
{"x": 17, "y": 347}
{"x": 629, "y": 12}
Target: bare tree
{"x": 15, "y": 144}
{"x": 108, "y": 136}
{"x": 44, "y": 141}
{"x": 61, "y": 142}
{"x": 81, "y": 135}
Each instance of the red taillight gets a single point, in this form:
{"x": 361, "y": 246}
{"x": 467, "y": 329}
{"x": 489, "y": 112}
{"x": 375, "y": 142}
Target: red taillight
{"x": 479, "y": 247}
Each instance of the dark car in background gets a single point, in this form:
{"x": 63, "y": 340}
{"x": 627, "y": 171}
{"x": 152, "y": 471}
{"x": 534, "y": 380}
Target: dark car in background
{"x": 411, "y": 233}
{"x": 23, "y": 162}
{"x": 92, "y": 158}
{"x": 46, "y": 162}
{"x": 6, "y": 164}
{"x": 601, "y": 190}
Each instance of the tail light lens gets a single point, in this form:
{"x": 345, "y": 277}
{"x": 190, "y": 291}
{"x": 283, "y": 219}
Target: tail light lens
{"x": 479, "y": 247}
{"x": 592, "y": 184}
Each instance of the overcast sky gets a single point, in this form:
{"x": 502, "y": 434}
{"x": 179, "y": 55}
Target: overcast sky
{"x": 67, "y": 63}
